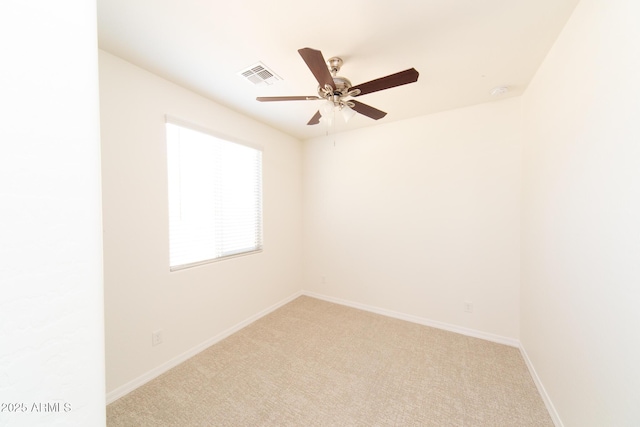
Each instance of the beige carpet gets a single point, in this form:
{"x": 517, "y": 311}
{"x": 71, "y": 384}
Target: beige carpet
{"x": 314, "y": 363}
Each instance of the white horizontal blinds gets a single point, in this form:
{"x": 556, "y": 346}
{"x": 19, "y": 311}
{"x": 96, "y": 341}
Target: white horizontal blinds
{"x": 215, "y": 197}
{"x": 239, "y": 201}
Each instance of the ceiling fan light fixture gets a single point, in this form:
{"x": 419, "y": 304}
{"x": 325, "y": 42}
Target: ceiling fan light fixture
{"x": 326, "y": 109}
{"x": 327, "y": 120}
{"x": 347, "y": 113}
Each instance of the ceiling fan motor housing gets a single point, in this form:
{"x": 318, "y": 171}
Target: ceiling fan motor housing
{"x": 342, "y": 85}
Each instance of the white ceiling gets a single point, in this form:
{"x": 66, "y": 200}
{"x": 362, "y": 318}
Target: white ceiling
{"x": 462, "y": 49}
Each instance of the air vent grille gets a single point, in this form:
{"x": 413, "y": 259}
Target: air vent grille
{"x": 260, "y": 74}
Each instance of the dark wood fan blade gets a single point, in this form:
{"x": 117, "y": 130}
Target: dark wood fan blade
{"x": 367, "y": 110}
{"x": 393, "y": 80}
{"x": 287, "y": 98}
{"x": 316, "y": 63}
{"x": 315, "y": 119}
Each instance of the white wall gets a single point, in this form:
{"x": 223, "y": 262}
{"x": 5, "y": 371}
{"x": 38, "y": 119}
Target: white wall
{"x": 51, "y": 320}
{"x": 141, "y": 295}
{"x": 419, "y": 216}
{"x": 581, "y": 217}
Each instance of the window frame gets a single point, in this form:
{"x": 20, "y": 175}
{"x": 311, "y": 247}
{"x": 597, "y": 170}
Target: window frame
{"x": 169, "y": 119}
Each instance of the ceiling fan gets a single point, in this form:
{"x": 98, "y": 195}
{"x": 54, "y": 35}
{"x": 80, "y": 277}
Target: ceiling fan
{"x": 338, "y": 90}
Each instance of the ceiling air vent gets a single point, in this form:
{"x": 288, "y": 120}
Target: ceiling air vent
{"x": 260, "y": 74}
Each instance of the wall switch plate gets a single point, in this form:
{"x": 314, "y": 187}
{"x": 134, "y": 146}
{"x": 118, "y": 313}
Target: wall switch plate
{"x": 156, "y": 338}
{"x": 468, "y": 307}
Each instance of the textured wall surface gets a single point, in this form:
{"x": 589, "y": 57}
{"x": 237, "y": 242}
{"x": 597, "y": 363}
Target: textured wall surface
{"x": 51, "y": 319}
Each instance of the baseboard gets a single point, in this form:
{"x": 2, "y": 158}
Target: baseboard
{"x": 512, "y": 342}
{"x": 127, "y": 388}
{"x": 555, "y": 417}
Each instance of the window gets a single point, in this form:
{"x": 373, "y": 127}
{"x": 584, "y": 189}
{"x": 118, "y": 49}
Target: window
{"x": 215, "y": 196}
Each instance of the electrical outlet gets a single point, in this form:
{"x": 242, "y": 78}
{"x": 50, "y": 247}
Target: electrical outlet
{"x": 156, "y": 338}
{"x": 468, "y": 307}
